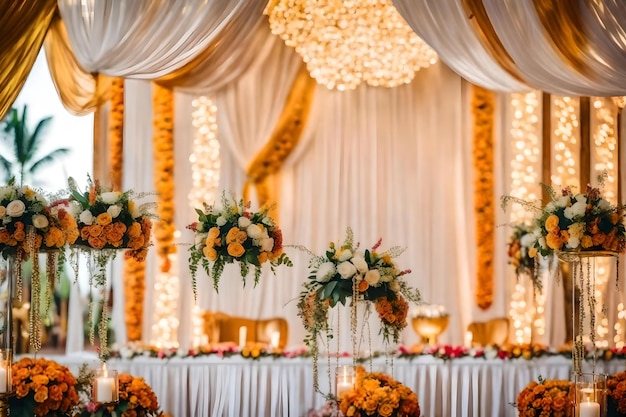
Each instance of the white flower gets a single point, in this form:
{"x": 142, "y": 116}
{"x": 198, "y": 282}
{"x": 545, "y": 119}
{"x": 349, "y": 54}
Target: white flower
{"x": 267, "y": 244}
{"x": 563, "y": 201}
{"x": 126, "y": 353}
{"x": 542, "y": 243}
{"x": 343, "y": 255}
{"x": 386, "y": 278}
{"x": 267, "y": 221}
{"x": 16, "y": 208}
{"x": 568, "y": 212}
{"x": 550, "y": 207}
{"x": 114, "y": 211}
{"x": 527, "y": 239}
{"x": 325, "y": 272}
{"x": 110, "y": 197}
{"x": 579, "y": 208}
{"x": 576, "y": 230}
{"x": 86, "y": 217}
{"x": 580, "y": 197}
{"x": 7, "y": 193}
{"x": 3, "y": 211}
{"x": 490, "y": 353}
{"x": 372, "y": 277}
{"x": 603, "y": 205}
{"x": 74, "y": 208}
{"x": 220, "y": 221}
{"x": 200, "y": 238}
{"x": 360, "y": 263}
{"x": 40, "y": 221}
{"x": 254, "y": 231}
{"x": 346, "y": 269}
{"x": 394, "y": 286}
{"x": 243, "y": 222}
{"x": 573, "y": 242}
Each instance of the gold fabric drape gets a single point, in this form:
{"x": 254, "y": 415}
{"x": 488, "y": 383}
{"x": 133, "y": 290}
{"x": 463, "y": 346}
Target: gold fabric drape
{"x": 23, "y": 27}
{"x": 490, "y": 40}
{"x": 81, "y": 92}
{"x": 284, "y": 138}
{"x": 163, "y": 143}
{"x": 483, "y": 112}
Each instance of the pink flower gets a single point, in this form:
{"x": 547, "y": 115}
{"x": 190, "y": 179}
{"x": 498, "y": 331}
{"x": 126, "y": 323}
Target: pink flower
{"x": 92, "y": 407}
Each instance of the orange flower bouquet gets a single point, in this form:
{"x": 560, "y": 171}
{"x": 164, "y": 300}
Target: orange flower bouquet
{"x": 136, "y": 399}
{"x": 377, "y": 394}
{"x": 549, "y": 398}
{"x": 616, "y": 385}
{"x": 232, "y": 234}
{"x": 42, "y": 388}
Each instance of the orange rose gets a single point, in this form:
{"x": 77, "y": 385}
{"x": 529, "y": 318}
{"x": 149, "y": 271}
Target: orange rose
{"x": 41, "y": 394}
{"x": 95, "y": 230}
{"x": 554, "y": 241}
{"x": 103, "y": 219}
{"x": 214, "y": 232}
{"x": 385, "y": 410}
{"x": 262, "y": 258}
{"x": 19, "y": 235}
{"x": 552, "y": 222}
{"x": 235, "y": 249}
{"x": 209, "y": 253}
{"x": 586, "y": 242}
{"x": 232, "y": 234}
{"x": 363, "y": 285}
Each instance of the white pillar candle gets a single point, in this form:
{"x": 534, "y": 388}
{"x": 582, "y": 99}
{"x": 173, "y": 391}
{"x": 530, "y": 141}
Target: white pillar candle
{"x": 243, "y": 336}
{"x": 275, "y": 339}
{"x": 3, "y": 379}
{"x": 589, "y": 409}
{"x": 104, "y": 389}
{"x": 343, "y": 386}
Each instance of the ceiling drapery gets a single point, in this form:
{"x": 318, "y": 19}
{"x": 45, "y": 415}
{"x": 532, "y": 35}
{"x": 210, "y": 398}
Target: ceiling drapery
{"x": 562, "y": 47}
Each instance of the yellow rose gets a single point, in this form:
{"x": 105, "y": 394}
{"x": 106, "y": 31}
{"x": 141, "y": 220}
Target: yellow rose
{"x": 232, "y": 235}
{"x": 214, "y": 232}
{"x": 103, "y": 219}
{"x": 554, "y": 241}
{"x": 210, "y": 253}
{"x": 552, "y": 222}
{"x": 235, "y": 249}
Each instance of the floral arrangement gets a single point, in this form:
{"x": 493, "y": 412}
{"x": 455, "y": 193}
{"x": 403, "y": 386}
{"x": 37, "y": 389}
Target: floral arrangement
{"x": 110, "y": 219}
{"x": 378, "y": 394}
{"x": 550, "y": 398}
{"x": 42, "y": 388}
{"x": 231, "y": 234}
{"x": 616, "y": 385}
{"x": 519, "y": 249}
{"x": 343, "y": 272}
{"x": 582, "y": 221}
{"x": 136, "y": 399}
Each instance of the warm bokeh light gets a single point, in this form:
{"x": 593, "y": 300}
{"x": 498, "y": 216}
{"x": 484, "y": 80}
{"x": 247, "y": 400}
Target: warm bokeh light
{"x": 205, "y": 156}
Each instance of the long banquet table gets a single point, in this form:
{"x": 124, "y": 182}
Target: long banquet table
{"x": 239, "y": 387}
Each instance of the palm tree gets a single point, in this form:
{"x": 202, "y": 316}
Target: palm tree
{"x": 26, "y": 162}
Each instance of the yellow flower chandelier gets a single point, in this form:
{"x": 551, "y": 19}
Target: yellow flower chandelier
{"x": 346, "y": 42}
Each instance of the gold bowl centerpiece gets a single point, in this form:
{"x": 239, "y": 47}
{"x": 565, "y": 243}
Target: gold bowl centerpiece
{"x": 429, "y": 321}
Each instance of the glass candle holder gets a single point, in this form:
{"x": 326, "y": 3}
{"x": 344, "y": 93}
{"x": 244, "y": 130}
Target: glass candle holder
{"x": 6, "y": 360}
{"x": 591, "y": 393}
{"x": 105, "y": 388}
{"x": 345, "y": 378}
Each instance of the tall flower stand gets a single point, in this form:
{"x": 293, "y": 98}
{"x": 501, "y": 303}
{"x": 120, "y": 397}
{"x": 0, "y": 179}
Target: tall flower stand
{"x": 590, "y": 390}
{"x": 6, "y": 334}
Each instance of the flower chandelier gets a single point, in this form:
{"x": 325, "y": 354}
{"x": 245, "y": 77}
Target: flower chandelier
{"x": 348, "y": 42}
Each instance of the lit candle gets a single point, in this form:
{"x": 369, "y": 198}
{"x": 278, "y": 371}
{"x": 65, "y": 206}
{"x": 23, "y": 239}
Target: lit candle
{"x": 468, "y": 339}
{"x": 275, "y": 339}
{"x": 345, "y": 382}
{"x": 105, "y": 387}
{"x": 243, "y": 334}
{"x": 589, "y": 409}
{"x": 3, "y": 379}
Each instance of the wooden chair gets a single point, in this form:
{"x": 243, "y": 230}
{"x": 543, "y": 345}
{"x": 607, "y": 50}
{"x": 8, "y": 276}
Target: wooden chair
{"x": 221, "y": 327}
{"x": 490, "y": 332}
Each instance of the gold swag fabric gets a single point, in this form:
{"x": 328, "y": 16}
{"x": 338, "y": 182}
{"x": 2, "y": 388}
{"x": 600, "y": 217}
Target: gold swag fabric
{"x": 23, "y": 26}
{"x": 80, "y": 91}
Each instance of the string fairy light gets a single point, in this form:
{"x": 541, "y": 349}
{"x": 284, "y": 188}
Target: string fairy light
{"x": 346, "y": 42}
{"x": 205, "y": 156}
{"x": 166, "y": 289}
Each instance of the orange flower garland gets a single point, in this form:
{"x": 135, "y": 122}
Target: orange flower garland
{"x": 42, "y": 388}
{"x": 116, "y": 132}
{"x": 483, "y": 111}
{"x": 163, "y": 142}
{"x": 616, "y": 385}
{"x": 134, "y": 290}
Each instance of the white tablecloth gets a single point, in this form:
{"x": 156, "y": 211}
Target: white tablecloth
{"x": 237, "y": 387}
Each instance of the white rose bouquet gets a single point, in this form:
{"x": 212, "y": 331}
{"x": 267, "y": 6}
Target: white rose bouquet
{"x": 232, "y": 234}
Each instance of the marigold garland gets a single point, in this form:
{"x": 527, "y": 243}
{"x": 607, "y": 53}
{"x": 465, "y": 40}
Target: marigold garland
{"x": 134, "y": 290}
{"x": 163, "y": 142}
{"x": 483, "y": 112}
{"x": 116, "y": 132}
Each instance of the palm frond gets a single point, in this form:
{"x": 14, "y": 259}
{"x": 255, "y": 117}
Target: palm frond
{"x": 48, "y": 159}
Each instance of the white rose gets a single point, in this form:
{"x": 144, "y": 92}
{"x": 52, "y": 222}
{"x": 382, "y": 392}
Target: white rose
{"x": 394, "y": 286}
{"x": 325, "y": 272}
{"x": 577, "y": 230}
{"x": 267, "y": 244}
{"x": 200, "y": 238}
{"x": 3, "y": 211}
{"x": 220, "y": 221}
{"x": 491, "y": 353}
{"x": 254, "y": 231}
{"x": 550, "y": 207}
{"x": 346, "y": 269}
{"x": 111, "y": 197}
{"x": 569, "y": 212}
{"x": 579, "y": 208}
{"x": 360, "y": 263}
{"x": 86, "y": 217}
{"x": 74, "y": 208}
{"x": 372, "y": 277}
{"x": 573, "y": 242}
{"x": 542, "y": 243}
{"x": 580, "y": 197}
{"x": 126, "y": 353}
{"x": 243, "y": 222}
{"x": 267, "y": 221}
{"x": 386, "y": 278}
{"x": 343, "y": 255}
{"x": 16, "y": 208}
{"x": 603, "y": 205}
{"x": 563, "y": 201}
{"x": 40, "y": 221}
{"x": 114, "y": 211}
{"x": 527, "y": 239}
